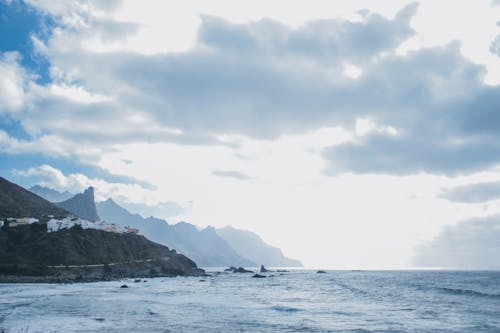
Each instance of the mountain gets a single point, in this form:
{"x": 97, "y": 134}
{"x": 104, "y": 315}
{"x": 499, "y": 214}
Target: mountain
{"x": 251, "y": 246}
{"x": 28, "y": 253}
{"x": 205, "y": 246}
{"x": 82, "y": 205}
{"x": 50, "y": 194}
{"x": 208, "y": 247}
{"x": 31, "y": 254}
{"x": 16, "y": 201}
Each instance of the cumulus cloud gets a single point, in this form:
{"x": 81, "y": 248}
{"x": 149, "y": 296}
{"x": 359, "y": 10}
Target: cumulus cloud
{"x": 473, "y": 193}
{"x": 264, "y": 79}
{"x": 231, "y": 174}
{"x": 471, "y": 244}
{"x": 12, "y": 83}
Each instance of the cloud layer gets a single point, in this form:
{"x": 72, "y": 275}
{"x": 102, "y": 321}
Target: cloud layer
{"x": 471, "y": 244}
{"x": 262, "y": 80}
{"x": 473, "y": 193}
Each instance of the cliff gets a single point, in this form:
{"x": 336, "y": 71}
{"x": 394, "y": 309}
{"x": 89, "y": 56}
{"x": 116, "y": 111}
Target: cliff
{"x": 82, "y": 205}
{"x": 85, "y": 255}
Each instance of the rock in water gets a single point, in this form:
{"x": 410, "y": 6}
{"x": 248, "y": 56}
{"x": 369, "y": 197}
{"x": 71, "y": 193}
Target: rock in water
{"x": 321, "y": 272}
{"x": 237, "y": 270}
{"x": 124, "y": 286}
{"x": 258, "y": 276}
{"x": 263, "y": 269}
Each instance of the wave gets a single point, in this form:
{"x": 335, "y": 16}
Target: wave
{"x": 467, "y": 292}
{"x": 285, "y": 308}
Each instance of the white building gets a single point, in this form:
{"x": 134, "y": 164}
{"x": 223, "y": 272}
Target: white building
{"x": 26, "y": 220}
{"x": 69, "y": 222}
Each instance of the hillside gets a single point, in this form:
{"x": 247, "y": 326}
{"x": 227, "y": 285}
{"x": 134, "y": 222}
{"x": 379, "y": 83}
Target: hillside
{"x": 15, "y": 201}
{"x": 31, "y": 250}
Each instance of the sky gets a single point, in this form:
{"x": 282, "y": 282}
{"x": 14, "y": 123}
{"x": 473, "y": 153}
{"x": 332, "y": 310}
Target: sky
{"x": 351, "y": 134}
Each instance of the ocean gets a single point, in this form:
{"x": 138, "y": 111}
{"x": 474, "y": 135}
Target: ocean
{"x": 296, "y": 301}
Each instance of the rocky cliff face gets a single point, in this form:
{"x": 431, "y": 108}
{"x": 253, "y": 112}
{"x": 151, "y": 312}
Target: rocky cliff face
{"x": 28, "y": 253}
{"x": 82, "y": 205}
{"x": 86, "y": 254}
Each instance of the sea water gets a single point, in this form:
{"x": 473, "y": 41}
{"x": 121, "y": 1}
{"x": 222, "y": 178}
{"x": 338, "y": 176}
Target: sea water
{"x": 296, "y": 301}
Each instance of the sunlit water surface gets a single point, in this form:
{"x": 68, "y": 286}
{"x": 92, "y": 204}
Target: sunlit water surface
{"x": 297, "y": 301}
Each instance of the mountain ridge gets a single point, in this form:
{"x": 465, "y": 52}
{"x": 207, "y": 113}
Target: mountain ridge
{"x": 50, "y": 194}
{"x": 206, "y": 248}
{"x": 251, "y": 246}
{"x": 16, "y": 201}
{"x": 209, "y": 247}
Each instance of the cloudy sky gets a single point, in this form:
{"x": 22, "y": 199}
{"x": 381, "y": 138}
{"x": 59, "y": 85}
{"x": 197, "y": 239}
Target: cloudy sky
{"x": 352, "y": 134}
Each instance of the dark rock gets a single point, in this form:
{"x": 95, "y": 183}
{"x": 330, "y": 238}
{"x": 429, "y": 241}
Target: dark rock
{"x": 263, "y": 269}
{"x": 282, "y": 271}
{"x": 124, "y": 286}
{"x": 82, "y": 205}
{"x": 258, "y": 276}
{"x": 242, "y": 270}
{"x": 237, "y": 270}
{"x": 137, "y": 280}
{"x": 321, "y": 272}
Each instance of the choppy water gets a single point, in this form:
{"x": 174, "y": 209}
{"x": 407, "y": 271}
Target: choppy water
{"x": 298, "y": 301}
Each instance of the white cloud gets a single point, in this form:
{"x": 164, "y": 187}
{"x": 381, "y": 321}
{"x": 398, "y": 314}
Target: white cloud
{"x": 12, "y": 83}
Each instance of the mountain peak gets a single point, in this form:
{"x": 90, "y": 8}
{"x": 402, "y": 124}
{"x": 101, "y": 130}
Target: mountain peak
{"x": 89, "y": 192}
{"x": 82, "y": 205}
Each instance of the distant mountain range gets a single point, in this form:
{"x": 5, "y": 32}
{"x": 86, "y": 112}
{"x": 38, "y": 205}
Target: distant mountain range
{"x": 50, "y": 194}
{"x": 254, "y": 248}
{"x": 208, "y": 247}
{"x": 205, "y": 247}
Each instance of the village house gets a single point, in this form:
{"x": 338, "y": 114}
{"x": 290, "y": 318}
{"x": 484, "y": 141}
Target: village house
{"x": 14, "y": 222}
{"x": 132, "y": 230}
{"x": 54, "y": 225}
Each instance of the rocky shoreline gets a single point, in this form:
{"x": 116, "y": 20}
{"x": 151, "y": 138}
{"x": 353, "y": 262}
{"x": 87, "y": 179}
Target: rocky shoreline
{"x": 95, "y": 273}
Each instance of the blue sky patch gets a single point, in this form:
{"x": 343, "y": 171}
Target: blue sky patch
{"x": 18, "y": 22}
